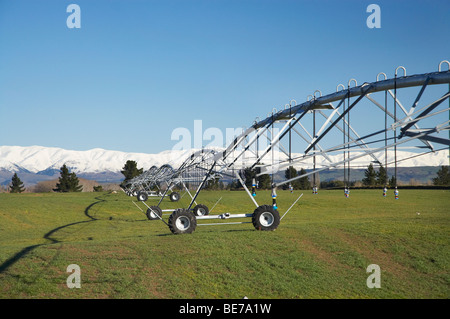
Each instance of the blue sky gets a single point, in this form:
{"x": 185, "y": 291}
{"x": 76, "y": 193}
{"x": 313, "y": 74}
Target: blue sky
{"x": 136, "y": 70}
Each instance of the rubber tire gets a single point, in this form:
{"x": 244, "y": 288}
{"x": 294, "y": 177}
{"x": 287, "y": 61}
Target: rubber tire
{"x": 182, "y": 217}
{"x": 197, "y": 210}
{"x": 265, "y": 217}
{"x": 142, "y": 196}
{"x": 151, "y": 215}
{"x": 174, "y": 197}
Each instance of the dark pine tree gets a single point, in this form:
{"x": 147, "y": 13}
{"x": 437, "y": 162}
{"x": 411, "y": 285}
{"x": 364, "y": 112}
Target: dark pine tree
{"x": 291, "y": 172}
{"x": 249, "y": 175}
{"x": 264, "y": 181}
{"x": 304, "y": 182}
{"x": 16, "y": 184}
{"x": 74, "y": 183}
{"x": 382, "y": 178}
{"x": 130, "y": 171}
{"x": 443, "y": 176}
{"x": 63, "y": 185}
{"x": 68, "y": 182}
{"x": 392, "y": 182}
{"x": 369, "y": 176}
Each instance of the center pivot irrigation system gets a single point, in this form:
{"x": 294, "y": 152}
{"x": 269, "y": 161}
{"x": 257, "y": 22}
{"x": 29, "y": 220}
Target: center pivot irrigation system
{"x": 150, "y": 183}
{"x": 357, "y": 123}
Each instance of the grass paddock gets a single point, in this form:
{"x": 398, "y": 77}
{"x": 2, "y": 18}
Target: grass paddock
{"x": 320, "y": 250}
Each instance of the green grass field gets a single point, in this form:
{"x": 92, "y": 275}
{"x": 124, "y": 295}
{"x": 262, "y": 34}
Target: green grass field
{"x": 320, "y": 250}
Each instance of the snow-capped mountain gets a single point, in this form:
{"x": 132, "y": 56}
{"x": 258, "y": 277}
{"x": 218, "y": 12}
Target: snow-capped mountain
{"x": 45, "y": 162}
{"x": 38, "y": 163}
{"x": 37, "y": 159}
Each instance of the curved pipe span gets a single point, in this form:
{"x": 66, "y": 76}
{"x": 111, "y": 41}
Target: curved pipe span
{"x": 322, "y": 102}
{"x": 382, "y": 85}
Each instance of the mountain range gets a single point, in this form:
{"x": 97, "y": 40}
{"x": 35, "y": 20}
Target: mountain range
{"x": 38, "y": 163}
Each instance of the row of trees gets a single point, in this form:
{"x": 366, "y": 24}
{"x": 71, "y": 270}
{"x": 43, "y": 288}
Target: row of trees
{"x": 69, "y": 182}
{"x": 380, "y": 178}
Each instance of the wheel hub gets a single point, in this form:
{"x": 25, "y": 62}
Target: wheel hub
{"x": 266, "y": 219}
{"x": 182, "y": 223}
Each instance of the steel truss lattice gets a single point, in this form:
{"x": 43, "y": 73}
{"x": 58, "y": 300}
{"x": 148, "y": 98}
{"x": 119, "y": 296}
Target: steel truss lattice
{"x": 325, "y": 132}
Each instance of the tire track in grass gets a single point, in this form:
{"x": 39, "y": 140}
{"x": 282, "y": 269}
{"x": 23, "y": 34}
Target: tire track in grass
{"x": 54, "y": 241}
{"x": 48, "y": 236}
